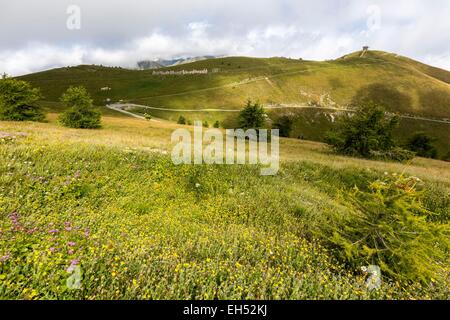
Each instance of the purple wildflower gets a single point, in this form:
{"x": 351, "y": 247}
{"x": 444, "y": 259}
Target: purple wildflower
{"x": 5, "y": 258}
{"x": 73, "y": 264}
{"x": 31, "y": 231}
{"x": 14, "y": 217}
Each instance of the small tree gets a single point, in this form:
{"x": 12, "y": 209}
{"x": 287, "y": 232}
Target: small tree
{"x": 216, "y": 124}
{"x": 284, "y": 123}
{"x": 252, "y": 116}
{"x": 422, "y": 145}
{"x": 205, "y": 124}
{"x": 17, "y": 101}
{"x": 365, "y": 133}
{"x": 80, "y": 113}
{"x": 181, "y": 120}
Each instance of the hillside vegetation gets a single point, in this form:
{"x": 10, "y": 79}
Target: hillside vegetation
{"x": 402, "y": 85}
{"x": 112, "y": 203}
{"x": 273, "y": 80}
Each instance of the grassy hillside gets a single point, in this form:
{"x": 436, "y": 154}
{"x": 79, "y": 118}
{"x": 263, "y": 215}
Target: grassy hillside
{"x": 111, "y": 202}
{"x": 274, "y": 80}
{"x": 403, "y": 85}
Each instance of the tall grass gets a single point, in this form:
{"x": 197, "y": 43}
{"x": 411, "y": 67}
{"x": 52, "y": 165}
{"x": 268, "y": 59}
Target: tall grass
{"x": 140, "y": 227}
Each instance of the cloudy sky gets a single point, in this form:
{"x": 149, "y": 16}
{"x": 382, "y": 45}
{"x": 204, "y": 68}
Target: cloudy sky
{"x": 38, "y": 35}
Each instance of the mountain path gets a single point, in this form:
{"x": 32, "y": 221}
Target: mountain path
{"x": 120, "y": 108}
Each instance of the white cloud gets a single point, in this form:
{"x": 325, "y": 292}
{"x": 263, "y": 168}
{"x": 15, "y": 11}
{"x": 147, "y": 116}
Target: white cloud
{"x": 121, "y": 32}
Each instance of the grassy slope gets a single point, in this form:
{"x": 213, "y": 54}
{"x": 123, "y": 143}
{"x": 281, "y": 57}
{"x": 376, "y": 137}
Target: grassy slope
{"x": 427, "y": 87}
{"x": 143, "y": 228}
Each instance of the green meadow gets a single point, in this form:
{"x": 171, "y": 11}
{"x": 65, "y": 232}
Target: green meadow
{"x": 105, "y": 214}
{"x": 111, "y": 203}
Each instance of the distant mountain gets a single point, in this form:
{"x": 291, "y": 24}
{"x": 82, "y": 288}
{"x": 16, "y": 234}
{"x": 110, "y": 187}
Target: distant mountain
{"x": 161, "y": 63}
{"x": 147, "y": 64}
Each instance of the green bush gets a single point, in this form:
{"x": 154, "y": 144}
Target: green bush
{"x": 17, "y": 101}
{"x": 181, "y": 120}
{"x": 422, "y": 145}
{"x": 389, "y": 227}
{"x": 284, "y": 123}
{"x": 252, "y": 116}
{"x": 367, "y": 133}
{"x": 80, "y": 113}
{"x": 216, "y": 124}
{"x": 446, "y": 157}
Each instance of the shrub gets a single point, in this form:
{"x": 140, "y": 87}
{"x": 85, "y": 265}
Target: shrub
{"x": 390, "y": 228}
{"x": 205, "y": 124}
{"x": 437, "y": 200}
{"x": 147, "y": 116}
{"x": 446, "y": 157}
{"x": 216, "y": 124}
{"x": 422, "y": 145}
{"x": 17, "y": 101}
{"x": 284, "y": 123}
{"x": 181, "y": 120}
{"x": 252, "y": 116}
{"x": 366, "y": 133}
{"x": 80, "y": 113}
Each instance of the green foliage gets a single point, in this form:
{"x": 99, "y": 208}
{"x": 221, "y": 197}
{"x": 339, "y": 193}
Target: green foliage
{"x": 17, "y": 101}
{"x": 205, "y": 124}
{"x": 147, "y": 116}
{"x": 216, "y": 124}
{"x": 284, "y": 123}
{"x": 366, "y": 133}
{"x": 252, "y": 116}
{"x": 80, "y": 113}
{"x": 447, "y": 156}
{"x": 422, "y": 145}
{"x": 181, "y": 120}
{"x": 437, "y": 200}
{"x": 227, "y": 233}
{"x": 389, "y": 227}
{"x": 340, "y": 78}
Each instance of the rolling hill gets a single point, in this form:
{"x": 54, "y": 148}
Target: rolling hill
{"x": 416, "y": 91}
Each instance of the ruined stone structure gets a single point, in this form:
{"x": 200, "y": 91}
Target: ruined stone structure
{"x": 179, "y": 73}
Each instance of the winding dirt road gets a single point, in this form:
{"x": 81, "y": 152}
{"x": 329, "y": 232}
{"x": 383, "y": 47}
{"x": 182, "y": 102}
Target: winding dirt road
{"x": 120, "y": 107}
